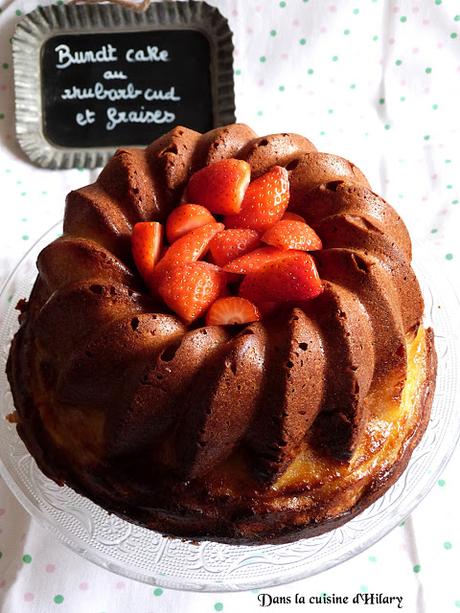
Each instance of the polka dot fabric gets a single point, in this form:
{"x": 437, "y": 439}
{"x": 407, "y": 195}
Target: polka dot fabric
{"x": 373, "y": 80}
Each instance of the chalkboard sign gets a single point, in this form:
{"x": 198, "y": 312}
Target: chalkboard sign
{"x": 100, "y": 77}
{"x": 126, "y": 88}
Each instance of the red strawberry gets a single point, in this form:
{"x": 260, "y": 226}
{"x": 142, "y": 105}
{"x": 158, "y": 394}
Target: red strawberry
{"x": 293, "y": 216}
{"x": 290, "y": 234}
{"x": 220, "y": 187}
{"x": 230, "y": 244}
{"x": 231, "y": 310}
{"x": 190, "y": 288}
{"x": 191, "y": 246}
{"x": 293, "y": 278}
{"x": 255, "y": 260}
{"x": 185, "y": 218}
{"x": 146, "y": 245}
{"x": 265, "y": 201}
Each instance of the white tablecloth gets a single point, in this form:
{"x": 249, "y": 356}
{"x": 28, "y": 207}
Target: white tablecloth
{"x": 376, "y": 81}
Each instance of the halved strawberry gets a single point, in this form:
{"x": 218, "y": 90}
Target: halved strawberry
{"x": 291, "y": 234}
{"x": 190, "y": 288}
{"x": 185, "y": 218}
{"x": 265, "y": 201}
{"x": 293, "y": 278}
{"x": 293, "y": 216}
{"x": 231, "y": 310}
{"x": 230, "y": 244}
{"x": 146, "y": 245}
{"x": 255, "y": 260}
{"x": 191, "y": 246}
{"x": 221, "y": 186}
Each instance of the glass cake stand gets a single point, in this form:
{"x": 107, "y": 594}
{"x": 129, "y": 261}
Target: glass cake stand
{"x": 147, "y": 556}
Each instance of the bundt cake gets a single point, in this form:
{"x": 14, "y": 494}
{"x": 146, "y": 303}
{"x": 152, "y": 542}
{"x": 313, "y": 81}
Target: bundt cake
{"x": 143, "y": 394}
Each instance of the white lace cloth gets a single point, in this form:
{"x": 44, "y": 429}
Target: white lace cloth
{"x": 373, "y": 80}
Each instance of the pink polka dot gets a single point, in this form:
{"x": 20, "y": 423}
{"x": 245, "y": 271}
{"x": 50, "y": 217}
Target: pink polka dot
{"x": 2, "y": 511}
{"x": 284, "y": 56}
{"x": 249, "y": 30}
{"x": 120, "y": 585}
{"x": 258, "y": 9}
{"x": 28, "y": 596}
{"x": 323, "y": 30}
{"x": 426, "y": 22}
{"x": 434, "y": 177}
{"x": 415, "y": 9}
{"x": 261, "y": 83}
{"x": 235, "y": 13}
{"x": 403, "y": 83}
{"x": 295, "y": 23}
{"x": 391, "y": 41}
{"x": 396, "y": 9}
{"x": 50, "y": 568}
{"x": 458, "y": 68}
{"x": 83, "y": 586}
{"x": 439, "y": 45}
{"x": 415, "y": 50}
{"x": 333, "y": 8}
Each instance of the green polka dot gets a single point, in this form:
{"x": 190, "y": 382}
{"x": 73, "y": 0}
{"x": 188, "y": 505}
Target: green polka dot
{"x": 302, "y": 41}
{"x": 310, "y": 71}
{"x": 454, "y": 35}
{"x": 60, "y": 2}
{"x": 403, "y": 19}
{"x": 434, "y": 230}
{"x": 374, "y": 38}
{"x": 363, "y": 588}
{"x": 372, "y": 559}
{"x": 281, "y": 88}
{"x": 398, "y": 62}
{"x": 441, "y": 482}
{"x": 262, "y": 59}
{"x": 438, "y": 2}
{"x": 5, "y": 65}
{"x": 157, "y": 591}
{"x": 25, "y": 237}
{"x": 26, "y": 558}
{"x": 403, "y": 98}
{"x": 238, "y": 72}
{"x": 447, "y": 161}
{"x": 23, "y": 193}
{"x": 58, "y": 599}
{"x": 44, "y": 193}
{"x": 416, "y": 568}
{"x": 322, "y": 133}
{"x": 428, "y": 70}
{"x": 273, "y": 32}
{"x": 449, "y": 256}
{"x": 381, "y": 100}
{"x": 335, "y": 58}
{"x": 426, "y": 137}
{"x": 353, "y": 86}
{"x": 387, "y": 126}
{"x": 457, "y": 604}
{"x": 282, "y": 4}
{"x": 402, "y": 524}
{"x": 434, "y": 107}
{"x": 260, "y": 113}
{"x": 447, "y": 545}
{"x": 457, "y": 18}
{"x": 355, "y": 11}
{"x": 449, "y": 186}
{"x": 455, "y": 201}
{"x": 346, "y": 32}
{"x": 218, "y": 606}
{"x": 18, "y": 12}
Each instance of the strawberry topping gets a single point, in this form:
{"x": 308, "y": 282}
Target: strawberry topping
{"x": 185, "y": 218}
{"x": 230, "y": 244}
{"x": 146, "y": 246}
{"x": 291, "y": 234}
{"x": 232, "y": 310}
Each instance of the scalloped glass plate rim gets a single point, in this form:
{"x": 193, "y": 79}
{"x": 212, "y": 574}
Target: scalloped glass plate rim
{"x": 225, "y": 583}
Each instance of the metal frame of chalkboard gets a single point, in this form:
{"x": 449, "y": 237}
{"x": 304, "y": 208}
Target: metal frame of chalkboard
{"x": 44, "y": 22}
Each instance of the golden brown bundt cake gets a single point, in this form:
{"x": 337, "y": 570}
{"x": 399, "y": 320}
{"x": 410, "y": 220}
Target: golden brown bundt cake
{"x": 275, "y": 430}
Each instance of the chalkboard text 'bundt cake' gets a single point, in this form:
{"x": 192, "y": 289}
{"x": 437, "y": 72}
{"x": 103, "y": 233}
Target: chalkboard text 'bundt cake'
{"x": 227, "y": 340}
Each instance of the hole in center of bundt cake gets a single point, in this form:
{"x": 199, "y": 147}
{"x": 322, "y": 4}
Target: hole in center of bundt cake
{"x": 231, "y": 252}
